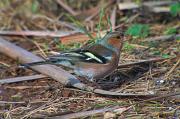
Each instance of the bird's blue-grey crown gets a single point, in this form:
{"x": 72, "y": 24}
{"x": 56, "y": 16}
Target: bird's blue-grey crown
{"x": 104, "y": 40}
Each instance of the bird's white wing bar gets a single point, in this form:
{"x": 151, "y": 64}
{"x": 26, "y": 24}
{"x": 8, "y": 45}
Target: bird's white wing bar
{"x": 92, "y": 56}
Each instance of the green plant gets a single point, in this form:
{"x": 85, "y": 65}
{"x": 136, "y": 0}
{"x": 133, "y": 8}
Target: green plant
{"x": 165, "y": 56}
{"x": 178, "y": 38}
{"x": 101, "y": 14}
{"x": 138, "y": 30}
{"x": 138, "y": 1}
{"x": 83, "y": 29}
{"x": 175, "y": 9}
{"x": 76, "y": 45}
{"x": 156, "y": 53}
{"x": 62, "y": 46}
{"x": 34, "y": 6}
{"x": 45, "y": 47}
{"x": 170, "y": 31}
{"x": 110, "y": 24}
{"x": 153, "y": 44}
{"x": 100, "y": 25}
{"x": 80, "y": 26}
{"x": 59, "y": 45}
{"x": 128, "y": 47}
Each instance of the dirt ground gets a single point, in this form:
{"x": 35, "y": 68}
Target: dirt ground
{"x": 46, "y": 97}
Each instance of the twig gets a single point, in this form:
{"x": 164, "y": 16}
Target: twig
{"x": 37, "y": 33}
{"x": 56, "y": 21}
{"x": 142, "y": 61}
{"x": 128, "y": 5}
{"x": 96, "y": 13}
{"x": 40, "y": 49}
{"x": 113, "y": 18}
{"x": 6, "y": 102}
{"x": 50, "y": 103}
{"x": 160, "y": 9}
{"x": 133, "y": 5}
{"x": 7, "y": 65}
{"x": 163, "y": 38}
{"x": 160, "y": 97}
{"x": 13, "y": 5}
{"x": 172, "y": 69}
{"x": 23, "y": 78}
{"x": 25, "y": 87}
{"x": 67, "y": 8}
{"x": 158, "y": 3}
{"x": 87, "y": 113}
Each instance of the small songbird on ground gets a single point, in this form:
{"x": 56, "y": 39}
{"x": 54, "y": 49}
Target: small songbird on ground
{"x": 92, "y": 61}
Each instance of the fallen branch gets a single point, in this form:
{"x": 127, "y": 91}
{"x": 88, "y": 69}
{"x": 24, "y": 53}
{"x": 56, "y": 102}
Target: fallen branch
{"x": 66, "y": 7}
{"x": 52, "y": 71}
{"x": 22, "y": 78}
{"x": 160, "y": 97}
{"x": 160, "y": 9}
{"x": 172, "y": 69}
{"x": 141, "y": 62}
{"x": 91, "y": 112}
{"x": 133, "y": 5}
{"x": 37, "y": 33}
{"x": 65, "y": 37}
{"x": 163, "y": 38}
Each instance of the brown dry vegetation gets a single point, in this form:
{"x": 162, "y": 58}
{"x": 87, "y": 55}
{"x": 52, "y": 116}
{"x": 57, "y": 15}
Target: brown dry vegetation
{"x": 47, "y": 98}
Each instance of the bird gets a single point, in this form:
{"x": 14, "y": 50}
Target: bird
{"x": 92, "y": 61}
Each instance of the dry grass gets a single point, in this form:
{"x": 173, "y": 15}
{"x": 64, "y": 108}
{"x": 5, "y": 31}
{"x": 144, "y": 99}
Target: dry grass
{"x": 46, "y": 97}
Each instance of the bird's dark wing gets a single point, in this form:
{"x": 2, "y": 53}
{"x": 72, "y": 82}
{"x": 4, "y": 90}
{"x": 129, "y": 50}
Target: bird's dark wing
{"x": 69, "y": 59}
{"x": 89, "y": 54}
{"x": 79, "y": 56}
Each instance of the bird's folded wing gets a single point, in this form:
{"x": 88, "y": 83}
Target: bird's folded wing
{"x": 82, "y": 56}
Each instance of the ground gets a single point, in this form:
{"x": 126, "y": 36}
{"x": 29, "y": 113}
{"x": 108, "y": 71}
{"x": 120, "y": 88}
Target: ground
{"x": 48, "y": 98}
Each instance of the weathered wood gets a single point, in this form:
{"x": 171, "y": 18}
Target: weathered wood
{"x": 22, "y": 78}
{"x": 150, "y": 4}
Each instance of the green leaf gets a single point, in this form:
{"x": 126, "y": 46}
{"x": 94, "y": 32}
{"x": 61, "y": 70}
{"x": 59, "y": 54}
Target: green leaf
{"x": 138, "y": 30}
{"x": 35, "y": 6}
{"x": 153, "y": 44}
{"x": 165, "y": 56}
{"x": 170, "y": 31}
{"x": 157, "y": 53}
{"x": 178, "y": 38}
{"x": 175, "y": 9}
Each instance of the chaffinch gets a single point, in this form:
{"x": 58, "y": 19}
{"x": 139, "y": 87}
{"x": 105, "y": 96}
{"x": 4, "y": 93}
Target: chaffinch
{"x": 92, "y": 61}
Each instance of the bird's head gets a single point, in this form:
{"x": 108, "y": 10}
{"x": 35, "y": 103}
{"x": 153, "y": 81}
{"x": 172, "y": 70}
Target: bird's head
{"x": 113, "y": 41}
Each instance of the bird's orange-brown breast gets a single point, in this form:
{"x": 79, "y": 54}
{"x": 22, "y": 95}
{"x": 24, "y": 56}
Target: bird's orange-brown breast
{"x": 115, "y": 42}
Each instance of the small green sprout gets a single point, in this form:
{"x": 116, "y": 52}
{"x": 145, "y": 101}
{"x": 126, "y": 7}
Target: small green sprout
{"x": 138, "y": 30}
